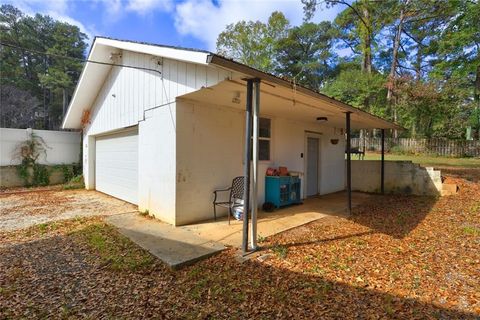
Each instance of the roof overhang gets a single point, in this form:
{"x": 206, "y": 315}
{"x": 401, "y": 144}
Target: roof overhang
{"x": 99, "y": 64}
{"x": 372, "y": 120}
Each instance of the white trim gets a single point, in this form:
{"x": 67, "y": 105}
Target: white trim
{"x": 192, "y": 56}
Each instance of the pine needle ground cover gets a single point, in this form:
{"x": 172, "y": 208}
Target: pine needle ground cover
{"x": 396, "y": 257}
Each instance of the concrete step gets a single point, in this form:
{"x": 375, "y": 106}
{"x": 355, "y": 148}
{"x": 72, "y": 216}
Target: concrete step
{"x": 449, "y": 189}
{"x": 174, "y": 246}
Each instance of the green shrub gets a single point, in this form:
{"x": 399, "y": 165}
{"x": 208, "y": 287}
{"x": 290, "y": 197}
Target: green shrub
{"x": 75, "y": 182}
{"x": 28, "y": 151}
{"x": 41, "y": 175}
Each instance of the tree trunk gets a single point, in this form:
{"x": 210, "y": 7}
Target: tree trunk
{"x": 367, "y": 42}
{"x": 393, "y": 68}
{"x": 418, "y": 62}
{"x": 477, "y": 100}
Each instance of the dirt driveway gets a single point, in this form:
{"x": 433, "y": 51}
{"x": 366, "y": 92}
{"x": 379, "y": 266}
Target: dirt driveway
{"x": 22, "y": 209}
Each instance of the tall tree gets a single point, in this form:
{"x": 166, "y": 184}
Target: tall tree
{"x": 459, "y": 54}
{"x": 305, "y": 54}
{"x": 253, "y": 42}
{"x": 49, "y": 78}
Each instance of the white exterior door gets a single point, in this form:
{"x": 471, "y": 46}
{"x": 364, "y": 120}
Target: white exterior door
{"x": 116, "y": 165}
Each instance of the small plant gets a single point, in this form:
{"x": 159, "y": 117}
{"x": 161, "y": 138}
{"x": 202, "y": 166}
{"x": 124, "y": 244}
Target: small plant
{"x": 261, "y": 238}
{"x": 28, "y": 151}
{"x": 67, "y": 172}
{"x": 144, "y": 213}
{"x": 280, "y": 251}
{"x": 317, "y": 270}
{"x": 471, "y": 231}
{"x": 75, "y": 183}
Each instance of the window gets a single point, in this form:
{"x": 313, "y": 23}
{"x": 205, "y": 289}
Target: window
{"x": 264, "y": 138}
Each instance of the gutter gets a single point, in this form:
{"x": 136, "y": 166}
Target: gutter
{"x": 239, "y": 67}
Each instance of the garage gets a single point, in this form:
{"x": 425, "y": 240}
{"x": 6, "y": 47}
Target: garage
{"x": 116, "y": 165}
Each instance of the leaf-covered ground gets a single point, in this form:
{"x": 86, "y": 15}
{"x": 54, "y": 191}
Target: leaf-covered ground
{"x": 397, "y": 257}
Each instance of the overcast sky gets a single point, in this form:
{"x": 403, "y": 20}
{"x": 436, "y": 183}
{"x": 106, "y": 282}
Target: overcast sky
{"x": 187, "y": 23}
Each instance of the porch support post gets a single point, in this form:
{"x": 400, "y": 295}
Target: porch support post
{"x": 256, "y": 113}
{"x": 382, "y": 173}
{"x": 349, "y": 164}
{"x": 246, "y": 167}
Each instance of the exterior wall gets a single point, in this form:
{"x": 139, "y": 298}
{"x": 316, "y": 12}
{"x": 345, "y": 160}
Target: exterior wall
{"x": 401, "y": 177}
{"x": 289, "y": 143}
{"x": 63, "y": 146}
{"x": 9, "y": 176}
{"x": 209, "y": 156}
{"x": 146, "y": 98}
{"x": 210, "y": 142}
{"x": 157, "y": 167}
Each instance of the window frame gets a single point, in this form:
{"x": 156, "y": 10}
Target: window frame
{"x": 269, "y": 139}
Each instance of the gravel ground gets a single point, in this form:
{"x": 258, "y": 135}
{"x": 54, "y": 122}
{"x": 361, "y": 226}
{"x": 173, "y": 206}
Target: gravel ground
{"x": 21, "y": 209}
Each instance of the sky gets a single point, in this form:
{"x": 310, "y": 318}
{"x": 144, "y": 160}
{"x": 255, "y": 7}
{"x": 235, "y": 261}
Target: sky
{"x": 186, "y": 23}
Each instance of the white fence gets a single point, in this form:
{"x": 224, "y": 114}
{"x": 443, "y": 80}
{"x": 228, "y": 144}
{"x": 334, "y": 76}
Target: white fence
{"x": 437, "y": 146}
{"x": 63, "y": 147}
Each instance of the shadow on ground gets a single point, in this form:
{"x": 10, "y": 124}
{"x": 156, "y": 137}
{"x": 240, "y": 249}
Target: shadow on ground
{"x": 62, "y": 276}
{"x": 382, "y": 214}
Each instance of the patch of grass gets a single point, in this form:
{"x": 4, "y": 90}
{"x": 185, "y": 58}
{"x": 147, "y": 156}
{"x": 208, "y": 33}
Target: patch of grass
{"x": 428, "y": 160}
{"x": 323, "y": 288}
{"x": 317, "y": 270}
{"x": 280, "y": 250}
{"x": 416, "y": 282}
{"x": 471, "y": 231}
{"x": 144, "y": 213}
{"x": 337, "y": 265}
{"x": 394, "y": 276}
{"x": 261, "y": 238}
{"x": 74, "y": 183}
{"x": 388, "y": 306}
{"x": 360, "y": 243}
{"x": 198, "y": 289}
{"x": 45, "y": 227}
{"x": 114, "y": 250}
{"x": 194, "y": 272}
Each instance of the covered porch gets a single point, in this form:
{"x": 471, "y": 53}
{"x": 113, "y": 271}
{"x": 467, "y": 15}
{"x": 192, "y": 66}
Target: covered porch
{"x": 225, "y": 121}
{"x": 271, "y": 223}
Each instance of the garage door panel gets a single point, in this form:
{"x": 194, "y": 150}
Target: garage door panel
{"x": 116, "y": 165}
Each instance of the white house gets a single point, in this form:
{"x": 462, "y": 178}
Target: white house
{"x": 164, "y": 126}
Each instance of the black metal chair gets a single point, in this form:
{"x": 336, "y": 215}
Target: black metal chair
{"x": 235, "y": 199}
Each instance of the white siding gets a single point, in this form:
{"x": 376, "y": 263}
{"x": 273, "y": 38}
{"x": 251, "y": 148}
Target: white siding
{"x": 128, "y": 92}
{"x": 157, "y": 163}
{"x": 133, "y": 96}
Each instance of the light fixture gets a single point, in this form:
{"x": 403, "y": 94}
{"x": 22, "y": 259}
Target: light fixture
{"x": 322, "y": 119}
{"x": 115, "y": 55}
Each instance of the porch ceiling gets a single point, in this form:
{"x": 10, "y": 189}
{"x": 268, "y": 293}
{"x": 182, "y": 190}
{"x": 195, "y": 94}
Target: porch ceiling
{"x": 280, "y": 101}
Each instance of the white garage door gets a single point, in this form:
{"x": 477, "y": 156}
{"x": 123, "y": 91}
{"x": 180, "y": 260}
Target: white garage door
{"x": 116, "y": 165}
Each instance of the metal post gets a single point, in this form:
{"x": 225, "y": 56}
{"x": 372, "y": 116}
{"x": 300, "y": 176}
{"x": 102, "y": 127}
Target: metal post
{"x": 349, "y": 164}
{"x": 382, "y": 174}
{"x": 246, "y": 168}
{"x": 256, "y": 117}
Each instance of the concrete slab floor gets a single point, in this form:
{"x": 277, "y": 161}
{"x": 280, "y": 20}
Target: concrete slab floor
{"x": 270, "y": 223}
{"x": 174, "y": 246}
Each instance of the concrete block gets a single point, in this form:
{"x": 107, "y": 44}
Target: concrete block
{"x": 449, "y": 189}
